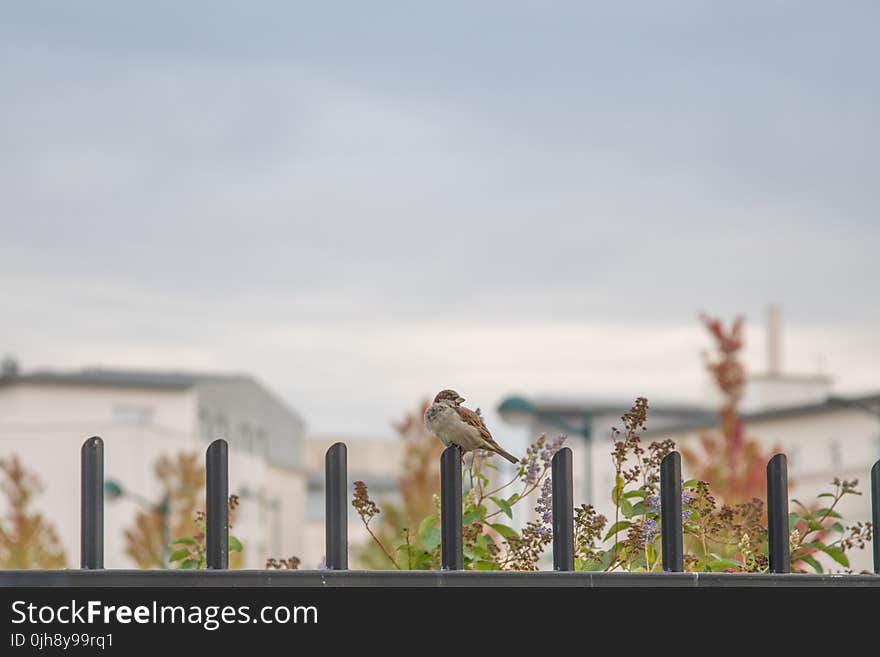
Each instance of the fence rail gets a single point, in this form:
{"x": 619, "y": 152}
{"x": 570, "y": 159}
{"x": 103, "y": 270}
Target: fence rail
{"x": 91, "y": 571}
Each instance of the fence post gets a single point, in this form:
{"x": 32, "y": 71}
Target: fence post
{"x": 671, "y": 539}
{"x": 777, "y": 514}
{"x": 875, "y": 514}
{"x": 335, "y": 507}
{"x": 563, "y": 510}
{"x": 217, "y": 505}
{"x": 91, "y": 530}
{"x": 451, "y": 547}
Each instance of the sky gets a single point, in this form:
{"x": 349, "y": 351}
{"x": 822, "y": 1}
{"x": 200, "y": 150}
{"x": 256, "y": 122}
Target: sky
{"x": 363, "y": 203}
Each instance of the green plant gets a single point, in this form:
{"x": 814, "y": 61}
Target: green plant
{"x": 490, "y": 542}
{"x": 190, "y": 552}
{"x": 718, "y": 537}
{"x": 820, "y": 530}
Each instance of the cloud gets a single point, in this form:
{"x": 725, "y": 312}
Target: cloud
{"x": 552, "y": 196}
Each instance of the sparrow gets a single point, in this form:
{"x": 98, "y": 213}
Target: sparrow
{"x": 454, "y": 424}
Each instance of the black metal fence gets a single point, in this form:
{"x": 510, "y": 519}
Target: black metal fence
{"x": 451, "y": 544}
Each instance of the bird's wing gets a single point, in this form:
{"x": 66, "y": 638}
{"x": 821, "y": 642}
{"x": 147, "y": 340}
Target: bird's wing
{"x": 470, "y": 417}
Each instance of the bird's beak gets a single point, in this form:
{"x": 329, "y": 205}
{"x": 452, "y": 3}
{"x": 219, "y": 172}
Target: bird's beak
{"x": 459, "y": 400}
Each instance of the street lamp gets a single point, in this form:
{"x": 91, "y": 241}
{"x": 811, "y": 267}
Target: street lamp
{"x": 113, "y": 490}
{"x": 519, "y": 410}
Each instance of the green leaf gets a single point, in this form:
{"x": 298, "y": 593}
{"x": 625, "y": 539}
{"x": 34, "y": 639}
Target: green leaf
{"x": 513, "y": 499}
{"x": 504, "y": 506}
{"x": 430, "y": 537}
{"x": 837, "y": 554}
{"x": 504, "y": 530}
{"x": 831, "y": 513}
{"x": 590, "y": 565}
{"x": 427, "y": 521}
{"x": 717, "y": 565}
{"x": 234, "y": 544}
{"x": 690, "y": 483}
{"x": 836, "y": 527}
{"x": 639, "y": 492}
{"x": 471, "y": 516}
{"x": 626, "y": 507}
{"x": 177, "y": 555}
{"x": 826, "y": 495}
{"x": 186, "y": 540}
{"x": 617, "y": 527}
{"x": 189, "y": 564}
{"x": 792, "y": 520}
{"x": 639, "y": 509}
{"x": 485, "y": 565}
{"x": 808, "y": 558}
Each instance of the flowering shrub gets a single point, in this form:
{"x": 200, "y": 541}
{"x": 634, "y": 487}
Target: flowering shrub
{"x": 717, "y": 537}
{"x": 489, "y": 542}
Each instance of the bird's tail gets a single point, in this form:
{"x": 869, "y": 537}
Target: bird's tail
{"x": 510, "y": 457}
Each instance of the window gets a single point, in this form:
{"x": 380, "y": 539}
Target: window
{"x": 261, "y": 443}
{"x": 315, "y": 503}
{"x": 836, "y": 454}
{"x": 247, "y": 437}
{"x": 205, "y": 424}
{"x": 135, "y": 416}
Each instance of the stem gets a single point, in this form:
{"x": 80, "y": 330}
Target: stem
{"x": 837, "y": 497}
{"x": 379, "y": 543}
{"x": 500, "y": 488}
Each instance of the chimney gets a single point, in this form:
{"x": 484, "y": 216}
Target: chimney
{"x": 774, "y": 341}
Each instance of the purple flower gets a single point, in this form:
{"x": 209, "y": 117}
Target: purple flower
{"x": 686, "y": 497}
{"x": 532, "y": 472}
{"x": 545, "y": 502}
{"x": 649, "y": 530}
{"x": 550, "y": 448}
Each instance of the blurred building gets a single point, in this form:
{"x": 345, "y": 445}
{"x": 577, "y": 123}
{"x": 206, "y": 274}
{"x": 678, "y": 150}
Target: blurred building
{"x": 837, "y": 437}
{"x": 45, "y": 417}
{"x": 823, "y": 436}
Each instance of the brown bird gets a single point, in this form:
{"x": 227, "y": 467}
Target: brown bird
{"x": 456, "y": 425}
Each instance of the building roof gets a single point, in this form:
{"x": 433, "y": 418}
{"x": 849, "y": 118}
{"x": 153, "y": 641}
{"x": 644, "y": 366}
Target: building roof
{"x": 832, "y": 403}
{"x": 605, "y": 407}
{"x": 119, "y": 378}
{"x": 516, "y": 409}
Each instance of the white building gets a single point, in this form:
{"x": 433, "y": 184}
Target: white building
{"x": 46, "y": 416}
{"x": 823, "y": 440}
